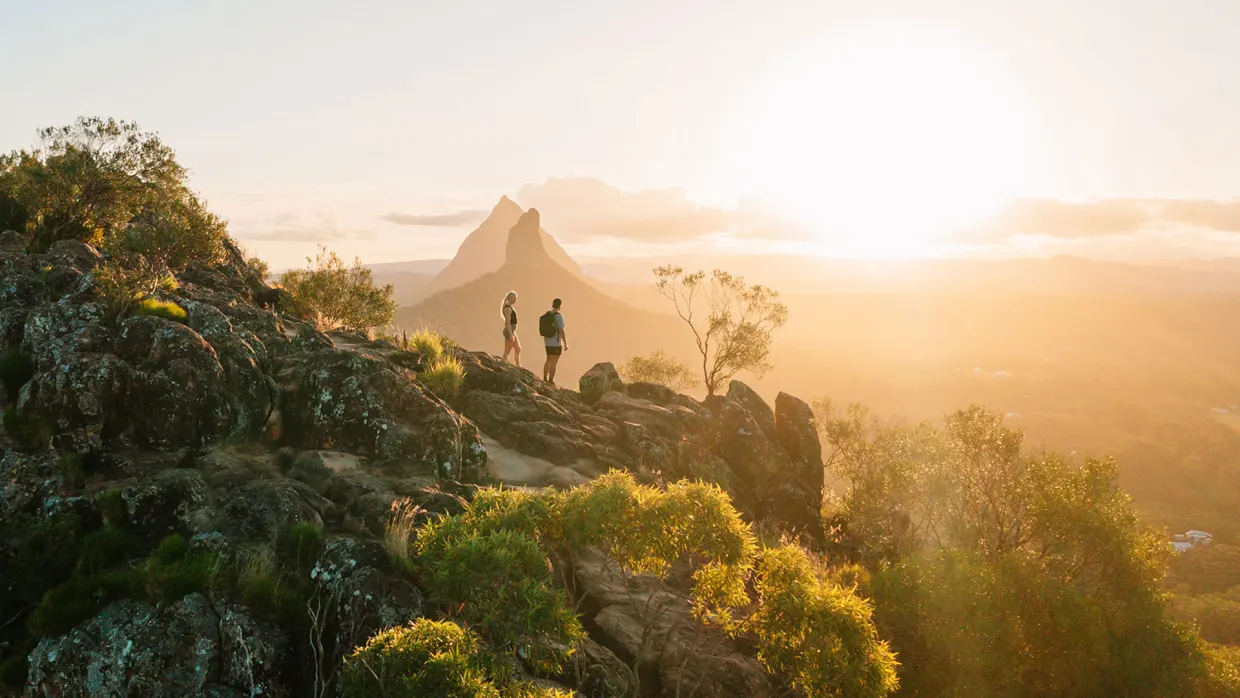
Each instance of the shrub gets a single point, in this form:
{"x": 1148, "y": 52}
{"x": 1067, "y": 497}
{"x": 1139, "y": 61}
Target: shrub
{"x": 80, "y": 598}
{"x": 107, "y": 548}
{"x": 16, "y": 369}
{"x": 425, "y": 658}
{"x": 122, "y": 283}
{"x": 815, "y": 632}
{"x": 334, "y": 295}
{"x": 500, "y": 583}
{"x": 445, "y": 378}
{"x": 167, "y": 310}
{"x": 300, "y": 545}
{"x": 112, "y": 507}
{"x": 425, "y": 341}
{"x": 659, "y": 368}
{"x": 106, "y": 182}
{"x": 399, "y": 530}
{"x": 31, "y": 432}
{"x": 172, "y": 571}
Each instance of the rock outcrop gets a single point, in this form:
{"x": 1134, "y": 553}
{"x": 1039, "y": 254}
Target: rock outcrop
{"x": 233, "y": 432}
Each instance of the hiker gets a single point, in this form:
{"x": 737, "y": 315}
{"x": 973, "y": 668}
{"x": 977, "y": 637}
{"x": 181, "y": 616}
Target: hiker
{"x": 551, "y": 327}
{"x": 511, "y": 343}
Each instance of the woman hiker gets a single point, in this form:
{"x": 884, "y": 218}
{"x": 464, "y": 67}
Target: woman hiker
{"x": 511, "y": 342}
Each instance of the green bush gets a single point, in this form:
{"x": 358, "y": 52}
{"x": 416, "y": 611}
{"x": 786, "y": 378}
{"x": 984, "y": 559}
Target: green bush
{"x": 112, "y": 507}
{"x": 172, "y": 571}
{"x": 424, "y": 658}
{"x": 426, "y": 342}
{"x": 31, "y": 432}
{"x": 107, "y": 183}
{"x": 124, "y": 283}
{"x": 300, "y": 545}
{"x": 107, "y": 548}
{"x": 16, "y": 369}
{"x": 167, "y": 310}
{"x": 80, "y": 598}
{"x": 815, "y": 632}
{"x": 500, "y": 583}
{"x": 445, "y": 377}
{"x": 334, "y": 295}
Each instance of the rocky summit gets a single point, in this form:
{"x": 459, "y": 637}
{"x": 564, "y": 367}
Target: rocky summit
{"x": 155, "y": 469}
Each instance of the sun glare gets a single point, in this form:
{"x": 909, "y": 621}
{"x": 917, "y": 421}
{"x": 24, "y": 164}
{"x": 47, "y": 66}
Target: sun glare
{"x": 883, "y": 141}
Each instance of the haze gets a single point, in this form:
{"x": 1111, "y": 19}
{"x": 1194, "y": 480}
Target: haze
{"x": 843, "y": 129}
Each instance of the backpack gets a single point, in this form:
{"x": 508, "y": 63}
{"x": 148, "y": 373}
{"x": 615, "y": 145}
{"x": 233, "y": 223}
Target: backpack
{"x": 547, "y": 326}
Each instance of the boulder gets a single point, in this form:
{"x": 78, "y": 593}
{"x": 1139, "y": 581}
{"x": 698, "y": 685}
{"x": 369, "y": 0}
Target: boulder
{"x": 263, "y": 509}
{"x": 599, "y": 673}
{"x": 362, "y": 404}
{"x": 167, "y": 502}
{"x": 362, "y": 596}
{"x": 186, "y": 648}
{"x": 755, "y": 406}
{"x": 600, "y": 379}
{"x": 647, "y": 624}
{"x": 797, "y": 430}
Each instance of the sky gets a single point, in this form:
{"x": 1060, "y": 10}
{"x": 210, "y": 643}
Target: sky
{"x": 903, "y": 128}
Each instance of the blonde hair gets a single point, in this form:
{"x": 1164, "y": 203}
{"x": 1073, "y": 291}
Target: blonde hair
{"x": 508, "y": 299}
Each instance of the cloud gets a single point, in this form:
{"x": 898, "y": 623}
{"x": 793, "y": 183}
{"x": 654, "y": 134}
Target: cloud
{"x": 321, "y": 226}
{"x": 1103, "y": 218}
{"x": 443, "y": 220}
{"x": 1221, "y": 215}
{"x": 1060, "y": 219}
{"x": 583, "y": 209}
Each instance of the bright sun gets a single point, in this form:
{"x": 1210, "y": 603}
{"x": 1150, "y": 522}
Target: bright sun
{"x": 883, "y": 142}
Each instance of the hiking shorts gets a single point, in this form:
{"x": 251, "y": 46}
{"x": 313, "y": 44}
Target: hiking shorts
{"x": 554, "y": 350}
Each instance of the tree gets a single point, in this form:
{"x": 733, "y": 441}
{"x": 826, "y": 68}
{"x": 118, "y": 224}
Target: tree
{"x": 733, "y": 331}
{"x": 335, "y": 295}
{"x": 108, "y": 183}
{"x": 987, "y": 557}
{"x": 661, "y": 369}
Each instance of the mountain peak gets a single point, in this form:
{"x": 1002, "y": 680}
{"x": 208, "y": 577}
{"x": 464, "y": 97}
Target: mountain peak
{"x": 525, "y": 244}
{"x": 506, "y": 208}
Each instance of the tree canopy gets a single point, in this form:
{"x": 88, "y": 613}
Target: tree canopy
{"x": 732, "y": 322}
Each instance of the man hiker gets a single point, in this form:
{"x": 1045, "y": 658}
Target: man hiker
{"x": 551, "y": 327}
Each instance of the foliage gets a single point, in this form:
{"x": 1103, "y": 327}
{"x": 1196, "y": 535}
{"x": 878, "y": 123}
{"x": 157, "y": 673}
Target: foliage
{"x": 426, "y": 342}
{"x": 335, "y": 295}
{"x": 445, "y": 377}
{"x": 983, "y": 558}
{"x": 122, "y": 283}
{"x": 111, "y": 504}
{"x": 167, "y": 310}
{"x": 16, "y": 369}
{"x": 489, "y": 565}
{"x": 1212, "y": 569}
{"x": 107, "y": 548}
{"x": 300, "y": 545}
{"x": 80, "y": 598}
{"x": 499, "y": 582}
{"x": 36, "y": 555}
{"x": 816, "y": 632}
{"x": 30, "y": 431}
{"x": 659, "y": 368}
{"x": 107, "y": 183}
{"x": 424, "y": 658}
{"x": 733, "y": 331}
{"x": 399, "y": 530}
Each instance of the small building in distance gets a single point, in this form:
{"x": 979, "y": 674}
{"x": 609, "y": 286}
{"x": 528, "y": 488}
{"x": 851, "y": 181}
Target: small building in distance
{"x": 1183, "y": 542}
